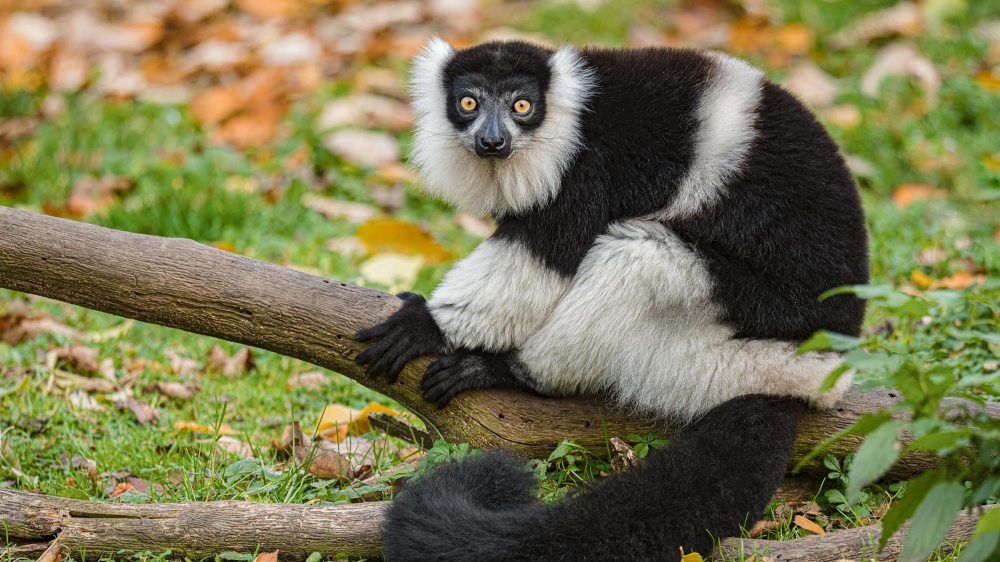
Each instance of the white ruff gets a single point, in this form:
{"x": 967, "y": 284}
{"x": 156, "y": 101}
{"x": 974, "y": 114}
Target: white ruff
{"x": 639, "y": 320}
{"x": 532, "y": 175}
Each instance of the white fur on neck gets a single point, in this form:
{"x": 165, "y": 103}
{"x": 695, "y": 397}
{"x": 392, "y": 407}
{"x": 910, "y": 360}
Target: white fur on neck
{"x": 532, "y": 175}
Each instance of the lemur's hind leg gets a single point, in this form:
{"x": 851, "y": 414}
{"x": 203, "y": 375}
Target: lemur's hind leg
{"x": 470, "y": 370}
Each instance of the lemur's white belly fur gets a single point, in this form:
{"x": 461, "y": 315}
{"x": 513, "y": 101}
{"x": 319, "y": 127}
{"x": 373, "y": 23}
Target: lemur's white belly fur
{"x": 665, "y": 352}
{"x": 636, "y": 320}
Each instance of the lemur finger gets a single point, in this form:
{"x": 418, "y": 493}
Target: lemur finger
{"x": 373, "y": 332}
{"x": 397, "y": 366}
{"x": 397, "y": 348}
{"x": 443, "y": 363}
{"x": 375, "y": 349}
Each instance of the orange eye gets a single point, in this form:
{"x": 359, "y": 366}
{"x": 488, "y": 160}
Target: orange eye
{"x": 468, "y": 103}
{"x": 522, "y": 106}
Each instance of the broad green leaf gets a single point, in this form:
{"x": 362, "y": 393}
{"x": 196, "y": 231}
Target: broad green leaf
{"x": 942, "y": 441}
{"x": 562, "y": 450}
{"x": 901, "y": 511}
{"x": 913, "y": 307}
{"x": 831, "y": 380}
{"x": 988, "y": 488}
{"x": 875, "y": 456}
{"x": 862, "y": 291}
{"x": 835, "y": 496}
{"x": 981, "y": 549}
{"x": 824, "y": 340}
{"x": 72, "y": 493}
{"x": 314, "y": 557}
{"x": 931, "y": 520}
{"x": 865, "y": 424}
{"x": 989, "y": 521}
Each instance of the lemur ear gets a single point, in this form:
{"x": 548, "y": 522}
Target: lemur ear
{"x": 435, "y": 54}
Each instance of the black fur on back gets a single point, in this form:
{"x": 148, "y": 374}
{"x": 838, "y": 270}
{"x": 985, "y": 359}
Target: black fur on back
{"x": 715, "y": 477}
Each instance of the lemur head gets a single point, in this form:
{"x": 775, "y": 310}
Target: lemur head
{"x": 497, "y": 124}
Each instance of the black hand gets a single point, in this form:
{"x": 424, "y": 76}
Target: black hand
{"x": 463, "y": 370}
{"x": 409, "y": 333}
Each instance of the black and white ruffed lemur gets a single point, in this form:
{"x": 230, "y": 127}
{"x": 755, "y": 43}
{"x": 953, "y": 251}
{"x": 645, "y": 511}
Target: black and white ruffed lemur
{"x": 666, "y": 221}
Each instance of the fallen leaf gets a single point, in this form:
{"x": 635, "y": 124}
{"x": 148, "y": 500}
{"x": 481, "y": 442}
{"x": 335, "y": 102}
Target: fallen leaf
{"x": 396, "y": 271}
{"x": 691, "y": 557}
{"x": 808, "y": 525}
{"x": 195, "y": 427}
{"x": 21, "y": 324}
{"x": 363, "y": 148}
{"x": 335, "y": 209}
{"x": 270, "y": 9}
{"x": 293, "y": 441}
{"x": 392, "y": 235}
{"x": 845, "y": 116}
{"x": 54, "y": 552}
{"x": 329, "y": 465}
{"x": 241, "y": 362}
{"x": 94, "y": 195}
{"x": 384, "y": 81}
{"x": 180, "y": 391}
{"x": 762, "y": 527}
{"x": 903, "y": 19}
{"x": 181, "y": 365}
{"x": 121, "y": 488}
{"x": 349, "y": 246}
{"x": 234, "y": 446}
{"x": 908, "y": 193}
{"x": 921, "y": 279}
{"x": 901, "y": 59}
{"x": 267, "y": 557}
{"x": 989, "y": 80}
{"x": 811, "y": 85}
{"x": 214, "y": 105}
{"x": 313, "y": 380}
{"x": 144, "y": 413}
{"x": 960, "y": 280}
{"x": 366, "y": 110}
{"x": 83, "y": 359}
{"x": 291, "y": 49}
{"x": 931, "y": 256}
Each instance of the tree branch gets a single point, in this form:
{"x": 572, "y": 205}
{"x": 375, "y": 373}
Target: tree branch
{"x": 196, "y": 288}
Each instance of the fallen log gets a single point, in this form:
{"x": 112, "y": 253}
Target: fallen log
{"x": 186, "y": 285}
{"x": 204, "y": 529}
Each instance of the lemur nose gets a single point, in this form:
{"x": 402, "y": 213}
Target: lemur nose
{"x": 492, "y": 144}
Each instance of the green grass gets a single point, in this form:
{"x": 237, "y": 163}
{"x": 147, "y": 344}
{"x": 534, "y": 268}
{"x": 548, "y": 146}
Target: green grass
{"x": 185, "y": 187}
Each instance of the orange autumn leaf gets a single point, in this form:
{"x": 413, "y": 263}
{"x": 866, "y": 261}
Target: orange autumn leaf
{"x": 921, "y": 279}
{"x": 996, "y": 235}
{"x": 989, "y": 81}
{"x": 195, "y": 427}
{"x": 121, "y": 488}
{"x": 795, "y": 39}
{"x": 392, "y": 235}
{"x": 908, "y": 193}
{"x": 267, "y": 557}
{"x": 960, "y": 280}
{"x": 808, "y": 525}
{"x": 992, "y": 162}
{"x": 216, "y": 104}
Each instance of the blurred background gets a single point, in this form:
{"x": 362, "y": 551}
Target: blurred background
{"x": 278, "y": 129}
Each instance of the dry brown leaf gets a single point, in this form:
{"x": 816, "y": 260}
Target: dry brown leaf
{"x": 808, "y": 525}
{"x": 349, "y": 246}
{"x": 397, "y": 272}
{"x": 248, "y": 130}
{"x": 845, "y": 116}
{"x": 903, "y": 19}
{"x": 989, "y": 80}
{"x": 313, "y": 380}
{"x": 67, "y": 380}
{"x": 996, "y": 235}
{"x": 267, "y": 557}
{"x": 395, "y": 172}
{"x": 392, "y": 235}
{"x": 901, "y": 59}
{"x": 366, "y": 110}
{"x": 335, "y": 209}
{"x": 908, "y": 193}
{"x": 960, "y": 280}
{"x": 330, "y": 465}
{"x": 78, "y": 357}
{"x": 121, "y": 488}
{"x": 293, "y": 441}
{"x": 762, "y": 527}
{"x": 181, "y": 365}
{"x": 234, "y": 446}
{"x": 363, "y": 148}
{"x": 383, "y": 81}
{"x": 811, "y": 84}
{"x": 270, "y": 9}
{"x": 23, "y": 325}
{"x": 214, "y": 105}
{"x": 241, "y": 362}
{"x": 294, "y": 48}
{"x": 180, "y": 391}
{"x": 54, "y": 552}
{"x": 94, "y": 195}
{"x": 144, "y": 413}
{"x": 195, "y": 427}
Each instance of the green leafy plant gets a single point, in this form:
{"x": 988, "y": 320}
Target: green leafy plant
{"x": 942, "y": 343}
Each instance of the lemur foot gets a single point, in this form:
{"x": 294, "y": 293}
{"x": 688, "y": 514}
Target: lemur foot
{"x": 409, "y": 333}
{"x": 460, "y": 371}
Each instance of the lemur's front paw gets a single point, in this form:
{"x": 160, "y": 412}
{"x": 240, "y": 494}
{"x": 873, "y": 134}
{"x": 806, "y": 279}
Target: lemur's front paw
{"x": 457, "y": 372}
{"x": 409, "y": 333}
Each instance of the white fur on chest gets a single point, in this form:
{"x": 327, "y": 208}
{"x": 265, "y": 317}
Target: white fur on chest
{"x": 639, "y": 321}
{"x": 496, "y": 297}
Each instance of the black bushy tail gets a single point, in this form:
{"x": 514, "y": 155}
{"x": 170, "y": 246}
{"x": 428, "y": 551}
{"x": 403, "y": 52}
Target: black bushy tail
{"x": 715, "y": 476}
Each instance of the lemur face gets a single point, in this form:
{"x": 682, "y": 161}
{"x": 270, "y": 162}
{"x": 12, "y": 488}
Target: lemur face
{"x": 496, "y": 97}
{"x": 498, "y": 123}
